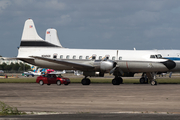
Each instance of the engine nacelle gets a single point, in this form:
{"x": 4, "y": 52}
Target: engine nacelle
{"x": 105, "y": 66}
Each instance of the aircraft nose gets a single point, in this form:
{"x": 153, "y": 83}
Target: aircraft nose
{"x": 170, "y": 64}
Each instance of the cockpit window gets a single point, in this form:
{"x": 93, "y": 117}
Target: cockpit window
{"x": 159, "y": 56}
{"x": 152, "y": 56}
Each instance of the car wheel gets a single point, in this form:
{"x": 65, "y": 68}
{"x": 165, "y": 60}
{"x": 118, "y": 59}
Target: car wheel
{"x": 41, "y": 82}
{"x": 58, "y": 82}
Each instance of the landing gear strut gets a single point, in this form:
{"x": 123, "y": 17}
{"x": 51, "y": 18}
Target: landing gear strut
{"x": 86, "y": 81}
{"x": 117, "y": 80}
{"x": 152, "y": 78}
{"x": 143, "y": 79}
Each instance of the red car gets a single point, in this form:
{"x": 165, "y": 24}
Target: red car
{"x": 52, "y": 79}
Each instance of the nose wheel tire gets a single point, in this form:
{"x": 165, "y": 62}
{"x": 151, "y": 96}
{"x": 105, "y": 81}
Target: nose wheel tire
{"x": 153, "y": 82}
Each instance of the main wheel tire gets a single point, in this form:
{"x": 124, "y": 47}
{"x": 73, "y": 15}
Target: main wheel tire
{"x": 58, "y": 82}
{"x": 142, "y": 80}
{"x": 116, "y": 81}
{"x": 41, "y": 82}
{"x": 85, "y": 81}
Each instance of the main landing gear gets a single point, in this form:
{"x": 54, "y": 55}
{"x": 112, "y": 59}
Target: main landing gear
{"x": 86, "y": 81}
{"x": 117, "y": 80}
{"x": 143, "y": 79}
{"x": 151, "y": 76}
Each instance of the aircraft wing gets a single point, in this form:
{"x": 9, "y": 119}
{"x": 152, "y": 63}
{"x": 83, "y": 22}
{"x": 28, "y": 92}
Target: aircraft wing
{"x": 72, "y": 64}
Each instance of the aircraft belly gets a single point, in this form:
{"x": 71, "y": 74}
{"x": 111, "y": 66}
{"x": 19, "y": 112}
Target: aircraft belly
{"x": 142, "y": 67}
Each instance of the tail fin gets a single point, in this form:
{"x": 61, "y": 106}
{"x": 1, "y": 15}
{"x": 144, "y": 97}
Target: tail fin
{"x": 30, "y": 38}
{"x": 29, "y": 32}
{"x": 52, "y": 37}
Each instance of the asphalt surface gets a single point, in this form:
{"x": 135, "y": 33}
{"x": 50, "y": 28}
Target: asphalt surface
{"x": 96, "y": 101}
{"x": 94, "y": 117}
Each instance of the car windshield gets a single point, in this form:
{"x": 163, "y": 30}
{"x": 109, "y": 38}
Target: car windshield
{"x": 58, "y": 75}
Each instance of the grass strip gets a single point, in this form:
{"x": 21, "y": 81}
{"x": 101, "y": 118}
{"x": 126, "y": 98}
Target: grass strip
{"x": 93, "y": 80}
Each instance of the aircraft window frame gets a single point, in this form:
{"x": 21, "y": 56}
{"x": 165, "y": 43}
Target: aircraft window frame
{"x": 74, "y": 56}
{"x": 61, "y": 56}
{"x": 87, "y": 57}
{"x": 113, "y": 58}
{"x": 67, "y": 56}
{"x": 80, "y": 57}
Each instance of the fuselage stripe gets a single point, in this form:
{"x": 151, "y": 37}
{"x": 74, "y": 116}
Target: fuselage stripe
{"x": 127, "y": 66}
{"x": 37, "y": 44}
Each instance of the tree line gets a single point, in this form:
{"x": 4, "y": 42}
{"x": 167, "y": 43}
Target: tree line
{"x": 18, "y": 67}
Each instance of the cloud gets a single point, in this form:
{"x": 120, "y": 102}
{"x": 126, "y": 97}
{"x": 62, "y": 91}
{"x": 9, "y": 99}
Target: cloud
{"x": 4, "y": 4}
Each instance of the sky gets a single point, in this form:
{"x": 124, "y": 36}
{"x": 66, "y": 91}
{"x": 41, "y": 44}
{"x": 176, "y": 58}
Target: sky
{"x": 94, "y": 24}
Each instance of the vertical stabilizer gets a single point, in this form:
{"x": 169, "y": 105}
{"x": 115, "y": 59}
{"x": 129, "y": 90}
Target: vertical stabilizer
{"x": 29, "y": 32}
{"x": 52, "y": 37}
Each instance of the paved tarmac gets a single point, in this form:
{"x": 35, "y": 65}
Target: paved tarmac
{"x": 94, "y": 116}
{"x": 94, "y": 100}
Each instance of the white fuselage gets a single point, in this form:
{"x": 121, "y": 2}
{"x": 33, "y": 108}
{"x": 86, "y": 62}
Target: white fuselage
{"x": 124, "y": 58}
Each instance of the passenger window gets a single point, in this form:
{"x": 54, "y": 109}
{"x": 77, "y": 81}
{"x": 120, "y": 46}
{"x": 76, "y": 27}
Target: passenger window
{"x": 80, "y": 57}
{"x": 113, "y": 58}
{"x": 61, "y": 56}
{"x": 87, "y": 57}
{"x": 120, "y": 58}
{"x": 100, "y": 57}
{"x": 152, "y": 56}
{"x": 55, "y": 56}
{"x": 74, "y": 57}
{"x": 49, "y": 75}
{"x": 107, "y": 57}
{"x": 67, "y": 57}
{"x": 93, "y": 57}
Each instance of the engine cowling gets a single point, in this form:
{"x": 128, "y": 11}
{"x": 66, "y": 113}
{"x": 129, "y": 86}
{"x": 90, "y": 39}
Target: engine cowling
{"x": 105, "y": 66}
